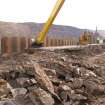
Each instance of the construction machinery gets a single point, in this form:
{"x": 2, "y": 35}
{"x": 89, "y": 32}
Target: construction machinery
{"x": 41, "y": 37}
{"x": 85, "y": 38}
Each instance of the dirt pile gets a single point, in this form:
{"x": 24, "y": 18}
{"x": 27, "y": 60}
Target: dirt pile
{"x": 60, "y": 77}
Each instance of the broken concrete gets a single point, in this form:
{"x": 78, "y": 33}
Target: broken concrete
{"x": 60, "y": 77}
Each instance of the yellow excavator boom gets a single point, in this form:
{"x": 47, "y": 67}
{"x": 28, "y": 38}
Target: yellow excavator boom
{"x": 41, "y": 37}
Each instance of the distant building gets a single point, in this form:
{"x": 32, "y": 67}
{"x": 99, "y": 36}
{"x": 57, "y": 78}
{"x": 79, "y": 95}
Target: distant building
{"x": 95, "y": 36}
{"x": 101, "y": 40}
{"x": 98, "y": 38}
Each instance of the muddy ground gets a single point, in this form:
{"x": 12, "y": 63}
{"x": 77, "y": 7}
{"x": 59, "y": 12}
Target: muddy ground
{"x": 61, "y": 77}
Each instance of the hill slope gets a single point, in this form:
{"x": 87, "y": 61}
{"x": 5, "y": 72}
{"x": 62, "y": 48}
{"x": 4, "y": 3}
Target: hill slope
{"x": 29, "y": 28}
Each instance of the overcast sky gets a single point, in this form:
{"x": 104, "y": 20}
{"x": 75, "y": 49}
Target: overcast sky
{"x": 79, "y": 13}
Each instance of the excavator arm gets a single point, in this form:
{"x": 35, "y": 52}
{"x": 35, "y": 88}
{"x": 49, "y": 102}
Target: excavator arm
{"x": 41, "y": 37}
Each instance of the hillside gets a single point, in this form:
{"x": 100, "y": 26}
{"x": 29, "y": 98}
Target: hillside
{"x": 29, "y": 28}
{"x": 102, "y": 32}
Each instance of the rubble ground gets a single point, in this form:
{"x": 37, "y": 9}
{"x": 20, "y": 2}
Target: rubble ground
{"x": 59, "y": 77}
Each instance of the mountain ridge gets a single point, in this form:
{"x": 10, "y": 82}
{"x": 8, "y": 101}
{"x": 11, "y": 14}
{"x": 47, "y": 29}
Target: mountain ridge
{"x": 32, "y": 29}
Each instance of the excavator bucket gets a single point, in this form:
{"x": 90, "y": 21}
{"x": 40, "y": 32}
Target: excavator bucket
{"x": 37, "y": 45}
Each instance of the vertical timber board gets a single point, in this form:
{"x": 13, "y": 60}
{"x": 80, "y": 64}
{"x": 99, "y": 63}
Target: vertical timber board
{"x": 46, "y": 42}
{"x": 29, "y": 42}
{"x": 22, "y": 43}
{"x": 18, "y": 44}
{"x": 62, "y": 42}
{"x": 26, "y": 42}
{"x": 49, "y": 42}
{"x": 55, "y": 42}
{"x": 14, "y": 45}
{"x": 6, "y": 45}
{"x": 58, "y": 42}
{"x": 0, "y": 45}
{"x": 9, "y": 44}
